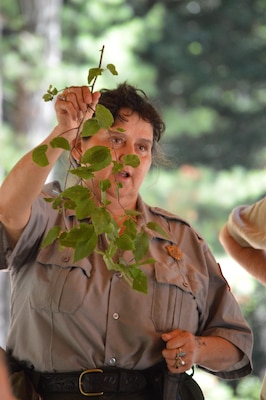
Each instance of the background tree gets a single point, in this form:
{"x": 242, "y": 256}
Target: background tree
{"x": 210, "y": 59}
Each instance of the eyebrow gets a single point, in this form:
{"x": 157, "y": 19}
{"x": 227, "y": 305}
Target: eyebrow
{"x": 123, "y": 134}
{"x": 148, "y": 141}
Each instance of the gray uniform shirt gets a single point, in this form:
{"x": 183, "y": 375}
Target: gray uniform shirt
{"x": 68, "y": 316}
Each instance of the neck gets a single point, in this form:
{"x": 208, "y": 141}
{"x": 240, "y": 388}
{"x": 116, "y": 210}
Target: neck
{"x": 117, "y": 208}
{"x": 118, "y": 204}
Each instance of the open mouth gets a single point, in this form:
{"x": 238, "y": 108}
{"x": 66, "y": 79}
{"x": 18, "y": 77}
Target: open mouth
{"x": 124, "y": 174}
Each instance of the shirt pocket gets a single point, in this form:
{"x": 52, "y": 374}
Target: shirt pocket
{"x": 58, "y": 284}
{"x": 174, "y": 305}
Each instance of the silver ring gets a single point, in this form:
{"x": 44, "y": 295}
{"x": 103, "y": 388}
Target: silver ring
{"x": 62, "y": 98}
{"x": 179, "y": 362}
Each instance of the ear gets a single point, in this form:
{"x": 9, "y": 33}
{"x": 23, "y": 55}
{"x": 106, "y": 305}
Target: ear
{"x": 76, "y": 149}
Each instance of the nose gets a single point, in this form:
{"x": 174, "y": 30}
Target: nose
{"x": 128, "y": 148}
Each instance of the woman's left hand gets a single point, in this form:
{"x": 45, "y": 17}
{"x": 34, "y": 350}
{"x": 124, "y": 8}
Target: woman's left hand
{"x": 180, "y": 352}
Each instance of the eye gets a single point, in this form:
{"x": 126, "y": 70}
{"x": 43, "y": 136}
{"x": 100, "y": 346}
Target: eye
{"x": 143, "y": 148}
{"x": 116, "y": 140}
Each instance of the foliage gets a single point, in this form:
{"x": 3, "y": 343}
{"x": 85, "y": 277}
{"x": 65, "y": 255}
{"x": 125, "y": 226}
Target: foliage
{"x": 83, "y": 238}
{"x": 211, "y": 57}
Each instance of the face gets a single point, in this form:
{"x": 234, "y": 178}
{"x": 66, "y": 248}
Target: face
{"x": 136, "y": 138}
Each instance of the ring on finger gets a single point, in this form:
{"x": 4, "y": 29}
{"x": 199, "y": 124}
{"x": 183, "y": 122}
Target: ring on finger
{"x": 179, "y": 362}
{"x": 63, "y": 98}
{"x": 180, "y": 352}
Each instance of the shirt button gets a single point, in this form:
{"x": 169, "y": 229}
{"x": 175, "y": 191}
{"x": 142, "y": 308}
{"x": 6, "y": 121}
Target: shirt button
{"x": 115, "y": 315}
{"x": 66, "y": 259}
{"x": 112, "y": 361}
{"x": 185, "y": 284}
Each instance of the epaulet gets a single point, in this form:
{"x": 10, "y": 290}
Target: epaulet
{"x": 51, "y": 189}
{"x": 168, "y": 215}
{"x": 173, "y": 217}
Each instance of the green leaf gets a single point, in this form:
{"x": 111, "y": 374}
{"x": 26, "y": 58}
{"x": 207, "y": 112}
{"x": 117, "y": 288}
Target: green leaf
{"x": 139, "y": 280}
{"x": 76, "y": 192}
{"x": 47, "y": 97}
{"x": 105, "y": 184}
{"x": 77, "y": 234}
{"x": 39, "y": 155}
{"x": 90, "y": 127}
{"x": 157, "y": 228}
{"x": 110, "y": 251}
{"x": 60, "y": 142}
{"x": 101, "y": 220}
{"x": 93, "y": 73}
{"x": 131, "y": 229}
{"x": 124, "y": 242}
{"x": 131, "y": 159}
{"x": 82, "y": 238}
{"x": 112, "y": 233}
{"x": 84, "y": 208}
{"x": 48, "y": 199}
{"x": 141, "y": 245}
{"x": 110, "y": 264}
{"x": 84, "y": 249}
{"x": 83, "y": 172}
{"x": 51, "y": 236}
{"x": 132, "y": 213}
{"x": 147, "y": 261}
{"x": 69, "y": 204}
{"x": 117, "y": 167}
{"x": 112, "y": 69}
{"x": 104, "y": 116}
{"x": 54, "y": 91}
{"x": 57, "y": 202}
{"x": 98, "y": 156}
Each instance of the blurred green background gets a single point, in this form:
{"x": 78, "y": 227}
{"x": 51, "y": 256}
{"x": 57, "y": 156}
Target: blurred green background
{"x": 203, "y": 63}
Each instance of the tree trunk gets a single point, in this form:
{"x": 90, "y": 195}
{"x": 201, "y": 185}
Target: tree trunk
{"x": 33, "y": 117}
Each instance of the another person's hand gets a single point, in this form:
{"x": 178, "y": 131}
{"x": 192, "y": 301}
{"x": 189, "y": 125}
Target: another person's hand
{"x": 72, "y": 105}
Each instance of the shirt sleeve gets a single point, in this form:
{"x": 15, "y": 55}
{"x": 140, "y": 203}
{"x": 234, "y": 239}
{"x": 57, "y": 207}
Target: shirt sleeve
{"x": 29, "y": 242}
{"x": 222, "y": 317}
{"x": 247, "y": 225}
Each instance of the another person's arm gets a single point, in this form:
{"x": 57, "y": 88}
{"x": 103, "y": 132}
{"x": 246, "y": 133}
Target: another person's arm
{"x": 244, "y": 238}
{"x": 251, "y": 259}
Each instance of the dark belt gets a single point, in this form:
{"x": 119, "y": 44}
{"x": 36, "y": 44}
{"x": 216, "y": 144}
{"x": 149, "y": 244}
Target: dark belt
{"x": 96, "y": 382}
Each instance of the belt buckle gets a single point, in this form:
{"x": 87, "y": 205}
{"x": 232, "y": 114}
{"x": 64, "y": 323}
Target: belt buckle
{"x": 89, "y": 371}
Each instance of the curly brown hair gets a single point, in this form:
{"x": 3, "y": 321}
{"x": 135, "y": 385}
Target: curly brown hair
{"x": 128, "y": 96}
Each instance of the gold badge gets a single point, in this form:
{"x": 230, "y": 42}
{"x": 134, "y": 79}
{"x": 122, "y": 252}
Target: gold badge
{"x": 175, "y": 252}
